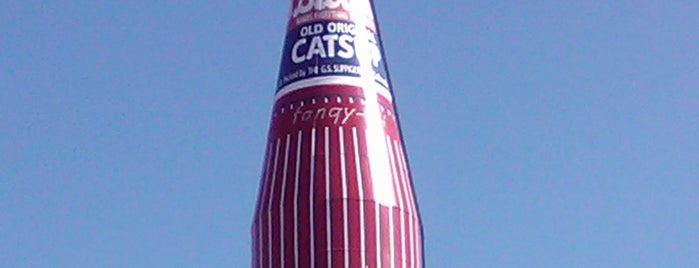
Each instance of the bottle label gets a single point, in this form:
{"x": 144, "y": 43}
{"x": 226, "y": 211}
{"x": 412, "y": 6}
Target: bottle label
{"x": 324, "y": 43}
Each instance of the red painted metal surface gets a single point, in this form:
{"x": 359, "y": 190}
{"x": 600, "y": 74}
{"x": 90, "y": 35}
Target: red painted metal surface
{"x": 335, "y": 188}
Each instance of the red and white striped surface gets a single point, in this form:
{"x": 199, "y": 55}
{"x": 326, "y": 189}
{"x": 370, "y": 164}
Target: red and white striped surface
{"x": 318, "y": 204}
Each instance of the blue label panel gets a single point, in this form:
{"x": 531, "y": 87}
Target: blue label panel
{"x": 327, "y": 48}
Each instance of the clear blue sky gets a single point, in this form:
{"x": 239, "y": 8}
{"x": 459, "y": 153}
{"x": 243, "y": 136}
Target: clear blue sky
{"x": 543, "y": 134}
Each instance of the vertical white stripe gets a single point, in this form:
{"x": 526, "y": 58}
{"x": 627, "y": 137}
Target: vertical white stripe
{"x": 343, "y": 171}
{"x": 418, "y": 246}
{"x": 414, "y": 235}
{"x": 411, "y": 210}
{"x": 296, "y": 199}
{"x": 396, "y": 177}
{"x": 263, "y": 195}
{"x": 406, "y": 208}
{"x": 328, "y": 228}
{"x": 360, "y": 183}
{"x": 264, "y": 189}
{"x": 269, "y": 203}
{"x": 392, "y": 238}
{"x": 311, "y": 197}
{"x": 281, "y": 201}
{"x": 378, "y": 234}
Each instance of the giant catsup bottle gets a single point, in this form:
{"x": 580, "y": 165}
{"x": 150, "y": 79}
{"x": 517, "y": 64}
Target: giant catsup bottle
{"x": 336, "y": 188}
